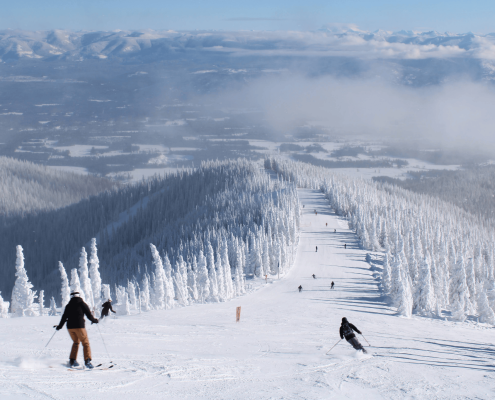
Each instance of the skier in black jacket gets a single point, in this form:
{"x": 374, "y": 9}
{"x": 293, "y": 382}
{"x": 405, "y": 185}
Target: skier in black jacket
{"x": 107, "y": 306}
{"x": 347, "y": 330}
{"x": 74, "y": 314}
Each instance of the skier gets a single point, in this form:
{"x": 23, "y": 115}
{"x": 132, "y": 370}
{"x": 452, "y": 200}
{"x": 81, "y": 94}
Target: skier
{"x": 314, "y": 276}
{"x": 317, "y": 249}
{"x": 107, "y": 306}
{"x": 300, "y": 288}
{"x": 346, "y": 330}
{"x": 345, "y": 245}
{"x": 331, "y": 287}
{"x": 326, "y": 223}
{"x": 74, "y": 315}
{"x": 335, "y": 231}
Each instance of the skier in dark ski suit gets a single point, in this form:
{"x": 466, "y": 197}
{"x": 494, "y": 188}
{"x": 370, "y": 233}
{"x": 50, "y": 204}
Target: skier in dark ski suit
{"x": 347, "y": 331}
{"x": 74, "y": 314}
{"x": 107, "y": 306}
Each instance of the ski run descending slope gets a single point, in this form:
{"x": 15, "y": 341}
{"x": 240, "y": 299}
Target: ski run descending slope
{"x": 277, "y": 351}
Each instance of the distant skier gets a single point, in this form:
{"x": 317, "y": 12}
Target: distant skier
{"x": 317, "y": 249}
{"x": 331, "y": 286}
{"x": 300, "y": 288}
{"x": 345, "y": 245}
{"x": 326, "y": 223}
{"x": 74, "y": 314}
{"x": 347, "y": 330}
{"x": 314, "y": 276}
{"x": 335, "y": 231}
{"x": 107, "y": 306}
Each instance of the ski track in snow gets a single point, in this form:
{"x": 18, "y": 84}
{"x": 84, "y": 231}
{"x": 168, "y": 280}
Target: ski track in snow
{"x": 278, "y": 349}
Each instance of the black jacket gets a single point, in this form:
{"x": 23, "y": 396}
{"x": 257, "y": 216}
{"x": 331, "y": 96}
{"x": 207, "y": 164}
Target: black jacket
{"x": 347, "y": 331}
{"x": 107, "y": 306}
{"x": 74, "y": 314}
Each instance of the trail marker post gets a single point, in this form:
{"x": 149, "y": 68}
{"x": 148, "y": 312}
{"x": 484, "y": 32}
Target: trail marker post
{"x": 266, "y": 278}
{"x": 237, "y": 314}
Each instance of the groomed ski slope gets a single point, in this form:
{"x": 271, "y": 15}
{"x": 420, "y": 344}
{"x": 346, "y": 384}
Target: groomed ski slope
{"x": 278, "y": 349}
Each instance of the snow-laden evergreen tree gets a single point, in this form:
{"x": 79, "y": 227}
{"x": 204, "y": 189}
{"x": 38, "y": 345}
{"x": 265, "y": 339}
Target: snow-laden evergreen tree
{"x": 160, "y": 278}
{"x": 65, "y": 291}
{"x": 212, "y": 274}
{"x": 485, "y": 312}
{"x": 471, "y": 279}
{"x": 22, "y": 295}
{"x": 404, "y": 295}
{"x": 425, "y": 296}
{"x": 220, "y": 277}
{"x": 53, "y": 307}
{"x": 229, "y": 287}
{"x": 459, "y": 291}
{"x": 94, "y": 271}
{"x": 145, "y": 293}
{"x": 85, "y": 281}
{"x": 168, "y": 283}
{"x": 202, "y": 278}
{"x": 192, "y": 280}
{"x": 75, "y": 283}
{"x": 386, "y": 273}
{"x": 127, "y": 304}
{"x": 131, "y": 292}
{"x": 41, "y": 302}
{"x": 4, "y": 307}
{"x": 106, "y": 294}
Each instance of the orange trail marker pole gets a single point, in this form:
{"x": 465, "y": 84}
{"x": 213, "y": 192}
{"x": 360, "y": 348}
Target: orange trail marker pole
{"x": 237, "y": 314}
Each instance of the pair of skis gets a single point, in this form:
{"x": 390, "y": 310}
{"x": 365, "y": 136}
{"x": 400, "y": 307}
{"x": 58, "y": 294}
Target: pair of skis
{"x": 99, "y": 367}
{"x": 340, "y": 341}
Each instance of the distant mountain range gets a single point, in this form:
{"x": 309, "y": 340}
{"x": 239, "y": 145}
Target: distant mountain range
{"x": 150, "y": 45}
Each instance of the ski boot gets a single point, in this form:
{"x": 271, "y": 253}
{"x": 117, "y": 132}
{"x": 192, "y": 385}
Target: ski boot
{"x": 73, "y": 363}
{"x": 88, "y": 364}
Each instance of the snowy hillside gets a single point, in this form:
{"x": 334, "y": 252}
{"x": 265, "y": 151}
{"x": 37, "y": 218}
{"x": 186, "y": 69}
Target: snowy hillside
{"x": 28, "y": 188}
{"x": 277, "y": 350}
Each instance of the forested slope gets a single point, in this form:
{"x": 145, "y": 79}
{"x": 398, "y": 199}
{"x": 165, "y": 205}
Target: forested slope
{"x": 27, "y": 188}
{"x": 229, "y": 205}
{"x": 472, "y": 189}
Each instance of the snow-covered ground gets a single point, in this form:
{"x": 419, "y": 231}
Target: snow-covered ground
{"x": 276, "y": 351}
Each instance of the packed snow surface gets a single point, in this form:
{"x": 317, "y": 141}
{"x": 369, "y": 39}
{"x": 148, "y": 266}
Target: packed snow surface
{"x": 276, "y": 351}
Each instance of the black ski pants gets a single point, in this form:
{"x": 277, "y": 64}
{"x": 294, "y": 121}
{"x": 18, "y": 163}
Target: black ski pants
{"x": 355, "y": 343}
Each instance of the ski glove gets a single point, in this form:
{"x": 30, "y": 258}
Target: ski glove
{"x": 95, "y": 321}
{"x": 57, "y": 327}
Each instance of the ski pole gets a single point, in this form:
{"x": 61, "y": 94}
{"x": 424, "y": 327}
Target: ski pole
{"x": 108, "y": 354}
{"x": 333, "y": 347}
{"x": 39, "y": 355}
{"x": 366, "y": 340}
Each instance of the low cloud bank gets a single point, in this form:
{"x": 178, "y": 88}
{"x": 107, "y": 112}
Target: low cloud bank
{"x": 458, "y": 114}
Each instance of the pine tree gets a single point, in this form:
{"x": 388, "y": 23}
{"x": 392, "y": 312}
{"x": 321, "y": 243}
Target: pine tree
{"x": 485, "y": 312}
{"x": 192, "y": 281}
{"x": 22, "y": 295}
{"x": 405, "y": 298}
{"x": 425, "y": 298}
{"x": 94, "y": 271}
{"x": 229, "y": 288}
{"x": 220, "y": 277}
{"x": 159, "y": 286}
{"x": 386, "y": 274}
{"x": 65, "y": 292}
{"x": 131, "y": 292}
{"x": 85, "y": 281}
{"x": 75, "y": 284}
{"x": 145, "y": 293}
{"x": 41, "y": 302}
{"x": 168, "y": 283}
{"x": 203, "y": 280}
{"x": 4, "y": 307}
{"x": 53, "y": 307}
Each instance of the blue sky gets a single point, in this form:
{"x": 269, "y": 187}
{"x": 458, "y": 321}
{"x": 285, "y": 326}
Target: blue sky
{"x": 441, "y": 15}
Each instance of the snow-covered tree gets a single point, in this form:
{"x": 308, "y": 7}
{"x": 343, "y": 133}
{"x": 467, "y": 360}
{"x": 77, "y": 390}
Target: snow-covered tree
{"x": 41, "y": 302}
{"x": 202, "y": 278}
{"x": 160, "y": 278}
{"x": 53, "y": 307}
{"x": 168, "y": 283}
{"x": 4, "y": 307}
{"x": 425, "y": 300}
{"x": 145, "y": 293}
{"x": 485, "y": 312}
{"x": 94, "y": 271}
{"x": 22, "y": 295}
{"x": 75, "y": 283}
{"x": 65, "y": 291}
{"x": 84, "y": 277}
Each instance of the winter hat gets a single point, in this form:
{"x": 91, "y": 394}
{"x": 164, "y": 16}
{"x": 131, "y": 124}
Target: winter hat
{"x": 344, "y": 320}
{"x": 74, "y": 294}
